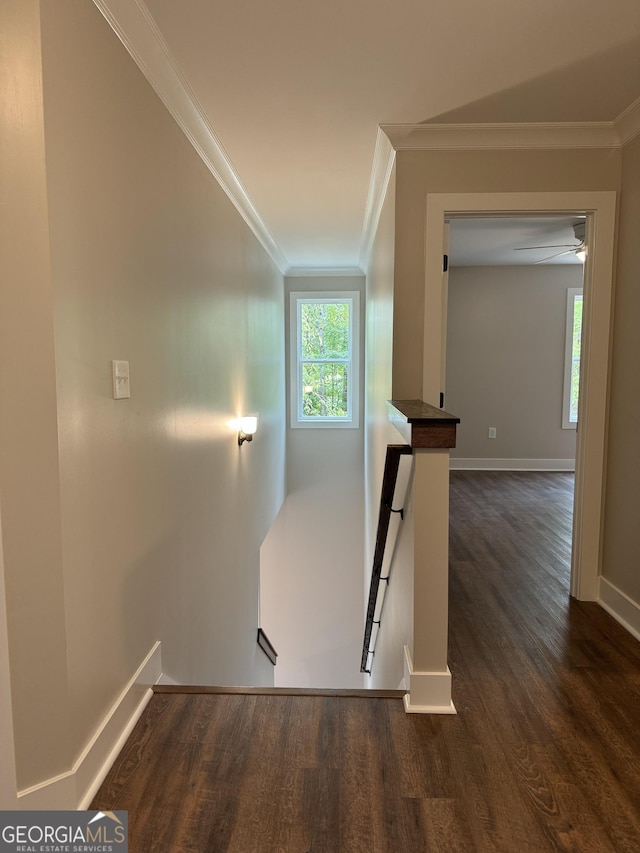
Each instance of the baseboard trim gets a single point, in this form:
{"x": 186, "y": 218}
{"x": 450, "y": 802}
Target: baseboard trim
{"x": 460, "y": 464}
{"x": 338, "y": 692}
{"x": 618, "y": 604}
{"x": 427, "y": 709}
{"x": 428, "y": 692}
{"x": 77, "y": 787}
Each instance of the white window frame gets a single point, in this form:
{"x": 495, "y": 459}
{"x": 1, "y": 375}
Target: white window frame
{"x": 298, "y": 420}
{"x": 567, "y": 423}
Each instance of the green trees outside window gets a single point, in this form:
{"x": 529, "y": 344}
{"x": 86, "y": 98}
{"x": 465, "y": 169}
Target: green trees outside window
{"x": 576, "y": 339}
{"x": 324, "y": 358}
{"x": 573, "y": 341}
{"x": 325, "y": 355}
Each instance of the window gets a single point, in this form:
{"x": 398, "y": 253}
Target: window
{"x": 324, "y": 359}
{"x": 572, "y": 358}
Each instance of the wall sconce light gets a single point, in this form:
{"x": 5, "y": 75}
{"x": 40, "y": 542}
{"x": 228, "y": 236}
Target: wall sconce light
{"x": 247, "y": 428}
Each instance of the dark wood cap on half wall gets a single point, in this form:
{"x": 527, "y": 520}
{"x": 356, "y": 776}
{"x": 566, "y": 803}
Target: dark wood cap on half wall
{"x": 423, "y": 425}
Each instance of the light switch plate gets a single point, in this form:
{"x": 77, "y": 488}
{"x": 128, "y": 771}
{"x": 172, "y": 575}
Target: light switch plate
{"x": 121, "y": 386}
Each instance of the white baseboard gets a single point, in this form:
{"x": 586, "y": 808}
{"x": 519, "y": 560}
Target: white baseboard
{"x": 77, "y": 787}
{"x": 428, "y": 692}
{"x": 460, "y": 464}
{"x": 618, "y": 604}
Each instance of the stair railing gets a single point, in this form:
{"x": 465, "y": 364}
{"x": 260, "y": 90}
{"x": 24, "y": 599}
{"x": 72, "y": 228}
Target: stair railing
{"x": 389, "y": 479}
{"x": 267, "y": 646}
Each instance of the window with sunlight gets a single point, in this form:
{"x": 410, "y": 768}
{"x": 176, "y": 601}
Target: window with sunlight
{"x": 324, "y": 359}
{"x": 572, "y": 358}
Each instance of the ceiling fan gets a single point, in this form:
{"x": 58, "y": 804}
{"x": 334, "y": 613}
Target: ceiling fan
{"x": 579, "y": 230}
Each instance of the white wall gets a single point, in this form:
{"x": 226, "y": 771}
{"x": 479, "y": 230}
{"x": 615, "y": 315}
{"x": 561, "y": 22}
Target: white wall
{"x": 387, "y": 669}
{"x": 132, "y": 521}
{"x": 505, "y": 360}
{"x": 419, "y": 173}
{"x": 621, "y": 528}
{"x": 378, "y": 358}
{"x": 311, "y": 562}
{"x": 29, "y": 472}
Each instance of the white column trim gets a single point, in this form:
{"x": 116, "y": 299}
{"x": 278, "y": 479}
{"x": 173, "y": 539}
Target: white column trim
{"x": 428, "y": 692}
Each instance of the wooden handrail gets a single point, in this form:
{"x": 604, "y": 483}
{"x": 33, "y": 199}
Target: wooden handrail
{"x": 267, "y": 646}
{"x": 391, "y": 465}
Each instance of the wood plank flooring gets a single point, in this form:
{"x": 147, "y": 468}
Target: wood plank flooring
{"x": 544, "y": 754}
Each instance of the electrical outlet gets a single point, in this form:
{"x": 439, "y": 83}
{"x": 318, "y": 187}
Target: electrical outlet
{"x": 492, "y": 432}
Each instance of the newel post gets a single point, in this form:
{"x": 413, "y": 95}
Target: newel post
{"x": 431, "y": 432}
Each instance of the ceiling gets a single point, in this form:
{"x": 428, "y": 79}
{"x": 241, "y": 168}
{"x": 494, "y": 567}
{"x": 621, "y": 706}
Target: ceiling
{"x": 295, "y": 90}
{"x": 498, "y": 241}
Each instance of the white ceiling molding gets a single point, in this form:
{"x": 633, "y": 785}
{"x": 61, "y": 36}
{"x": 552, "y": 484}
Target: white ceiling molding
{"x": 133, "y": 24}
{"x": 324, "y": 272}
{"x": 384, "y": 157}
{"x": 628, "y": 122}
{"x": 460, "y": 137}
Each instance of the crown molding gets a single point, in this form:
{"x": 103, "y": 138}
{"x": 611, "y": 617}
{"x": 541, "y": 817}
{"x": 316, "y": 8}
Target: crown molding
{"x": 384, "y": 157}
{"x": 461, "y": 137}
{"x": 628, "y": 122}
{"x": 132, "y": 22}
{"x": 134, "y": 25}
{"x": 324, "y": 272}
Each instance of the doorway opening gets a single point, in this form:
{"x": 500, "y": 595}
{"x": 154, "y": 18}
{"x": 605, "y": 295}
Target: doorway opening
{"x": 512, "y": 358}
{"x": 598, "y": 210}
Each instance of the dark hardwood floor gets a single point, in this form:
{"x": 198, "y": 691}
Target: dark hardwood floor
{"x": 543, "y": 755}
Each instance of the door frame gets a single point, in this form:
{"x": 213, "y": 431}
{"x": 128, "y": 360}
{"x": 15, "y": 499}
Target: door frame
{"x": 599, "y": 207}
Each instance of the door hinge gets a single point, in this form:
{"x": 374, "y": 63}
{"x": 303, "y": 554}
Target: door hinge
{"x": 445, "y": 263}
